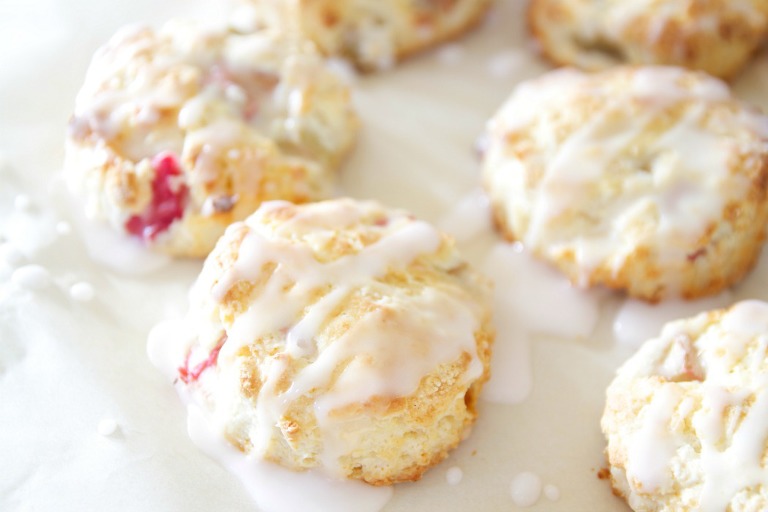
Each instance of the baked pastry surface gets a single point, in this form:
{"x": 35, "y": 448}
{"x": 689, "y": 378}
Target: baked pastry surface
{"x": 716, "y": 36}
{"x": 686, "y": 418}
{"x": 339, "y": 335}
{"x": 179, "y": 132}
{"x": 645, "y": 179}
{"x": 371, "y": 33}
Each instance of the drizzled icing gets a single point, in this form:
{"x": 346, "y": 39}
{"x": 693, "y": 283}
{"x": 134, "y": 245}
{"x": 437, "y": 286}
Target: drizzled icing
{"x": 622, "y": 15}
{"x": 141, "y": 77}
{"x": 372, "y": 33}
{"x": 524, "y": 290}
{"x": 274, "y": 489}
{"x": 618, "y": 181}
{"x": 384, "y": 353}
{"x": 722, "y": 390}
{"x": 232, "y": 107}
{"x": 650, "y": 448}
{"x": 671, "y": 31}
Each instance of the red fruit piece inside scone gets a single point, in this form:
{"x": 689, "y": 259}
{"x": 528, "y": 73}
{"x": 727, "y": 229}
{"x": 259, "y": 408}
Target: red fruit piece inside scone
{"x": 169, "y": 199}
{"x": 188, "y": 375}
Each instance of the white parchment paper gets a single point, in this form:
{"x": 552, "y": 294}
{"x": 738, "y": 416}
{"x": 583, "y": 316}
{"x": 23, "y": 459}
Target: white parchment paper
{"x": 65, "y": 365}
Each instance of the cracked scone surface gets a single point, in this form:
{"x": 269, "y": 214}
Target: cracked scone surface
{"x": 371, "y": 33}
{"x": 650, "y": 180}
{"x": 686, "y": 418}
{"x": 180, "y": 131}
{"x": 339, "y": 335}
{"x": 716, "y": 36}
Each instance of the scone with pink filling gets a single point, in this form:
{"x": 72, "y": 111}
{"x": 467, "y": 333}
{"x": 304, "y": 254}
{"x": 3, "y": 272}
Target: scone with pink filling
{"x": 650, "y": 180}
{"x": 686, "y": 418}
{"x": 716, "y": 36}
{"x": 373, "y": 34}
{"x": 338, "y": 335}
{"x": 179, "y": 132}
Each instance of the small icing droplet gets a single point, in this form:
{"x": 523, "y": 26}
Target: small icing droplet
{"x": 11, "y": 255}
{"x": 235, "y": 94}
{"x": 63, "y": 227}
{"x": 551, "y": 492}
{"x": 274, "y": 488}
{"x": 342, "y": 69}
{"x": 22, "y": 202}
{"x": 454, "y": 475}
{"x": 107, "y": 427}
{"x": 505, "y": 64}
{"x": 33, "y": 277}
{"x": 526, "y": 489}
{"x": 82, "y": 292}
{"x": 450, "y": 54}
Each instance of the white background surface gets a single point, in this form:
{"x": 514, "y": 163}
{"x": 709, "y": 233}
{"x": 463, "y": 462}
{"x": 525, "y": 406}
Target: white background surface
{"x": 65, "y": 365}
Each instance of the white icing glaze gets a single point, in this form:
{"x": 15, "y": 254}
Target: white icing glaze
{"x": 275, "y": 489}
{"x": 530, "y": 287}
{"x": 551, "y": 492}
{"x": 11, "y": 255}
{"x": 652, "y": 446}
{"x": 617, "y": 23}
{"x": 343, "y": 69}
{"x": 526, "y": 489}
{"x": 63, "y": 228}
{"x": 621, "y": 16}
{"x": 272, "y": 311}
{"x": 204, "y": 94}
{"x": 31, "y": 277}
{"x": 167, "y": 344}
{"x": 523, "y": 296}
{"x": 469, "y": 218}
{"x": 739, "y": 465}
{"x": 82, "y": 291}
{"x": 637, "y": 321}
{"x": 727, "y": 465}
{"x": 113, "y": 250}
{"x": 687, "y": 184}
{"x": 507, "y": 63}
{"x": 522, "y": 107}
{"x": 304, "y": 288}
{"x": 107, "y": 427}
{"x": 22, "y": 202}
{"x": 749, "y": 319}
{"x": 511, "y": 379}
{"x": 450, "y": 54}
{"x": 454, "y": 475}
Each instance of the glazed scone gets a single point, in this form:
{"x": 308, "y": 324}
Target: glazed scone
{"x": 338, "y": 335}
{"x": 371, "y": 33}
{"x": 716, "y": 36}
{"x": 179, "y": 132}
{"x": 686, "y": 418}
{"x": 650, "y": 180}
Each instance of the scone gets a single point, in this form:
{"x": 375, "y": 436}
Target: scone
{"x": 179, "y": 132}
{"x": 716, "y": 36}
{"x": 650, "y": 179}
{"x": 338, "y": 335}
{"x": 371, "y": 33}
{"x": 686, "y": 418}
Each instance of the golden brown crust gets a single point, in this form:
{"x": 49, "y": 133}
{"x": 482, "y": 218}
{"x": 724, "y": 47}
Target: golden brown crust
{"x": 424, "y": 319}
{"x": 242, "y": 122}
{"x": 594, "y": 35}
{"x": 618, "y": 211}
{"x": 373, "y": 34}
{"x": 678, "y": 409}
